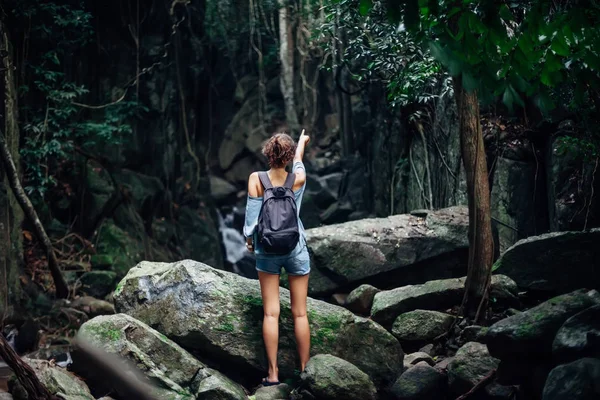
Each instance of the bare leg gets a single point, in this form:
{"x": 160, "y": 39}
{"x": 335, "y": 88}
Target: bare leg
{"x": 269, "y": 287}
{"x": 298, "y": 293}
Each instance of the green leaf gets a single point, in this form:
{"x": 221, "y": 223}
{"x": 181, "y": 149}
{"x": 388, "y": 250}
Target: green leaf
{"x": 505, "y": 13}
{"x": 559, "y": 47}
{"x": 365, "y": 6}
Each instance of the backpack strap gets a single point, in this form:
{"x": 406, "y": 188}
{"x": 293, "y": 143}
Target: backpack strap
{"x": 289, "y": 181}
{"x": 264, "y": 179}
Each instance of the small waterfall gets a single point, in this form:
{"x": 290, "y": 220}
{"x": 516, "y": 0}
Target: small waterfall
{"x": 233, "y": 240}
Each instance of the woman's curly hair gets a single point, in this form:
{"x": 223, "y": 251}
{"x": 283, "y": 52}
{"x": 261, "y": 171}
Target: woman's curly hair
{"x": 279, "y": 150}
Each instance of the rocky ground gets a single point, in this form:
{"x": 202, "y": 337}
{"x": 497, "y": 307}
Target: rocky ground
{"x": 386, "y": 326}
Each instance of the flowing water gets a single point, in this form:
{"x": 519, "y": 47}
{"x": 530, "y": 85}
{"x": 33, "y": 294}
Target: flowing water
{"x": 235, "y": 244}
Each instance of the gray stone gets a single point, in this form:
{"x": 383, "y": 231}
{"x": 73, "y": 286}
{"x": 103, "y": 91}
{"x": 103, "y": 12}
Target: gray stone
{"x": 330, "y": 377}
{"x": 277, "y": 392}
{"x": 579, "y": 380}
{"x": 438, "y": 294}
{"x": 403, "y": 249}
{"x": 557, "y": 262}
{"x": 421, "y": 382}
{"x": 471, "y": 364}
{"x": 360, "y": 299}
{"x": 417, "y": 357}
{"x": 473, "y": 333}
{"x": 421, "y": 326}
{"x": 530, "y": 334}
{"x": 164, "y": 362}
{"x": 579, "y": 336}
{"x": 57, "y": 380}
{"x": 219, "y": 314}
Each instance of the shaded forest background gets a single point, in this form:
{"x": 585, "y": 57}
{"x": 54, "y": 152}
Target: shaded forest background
{"x": 136, "y": 124}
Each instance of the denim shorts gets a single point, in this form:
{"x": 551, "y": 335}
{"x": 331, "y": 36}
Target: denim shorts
{"x": 297, "y": 264}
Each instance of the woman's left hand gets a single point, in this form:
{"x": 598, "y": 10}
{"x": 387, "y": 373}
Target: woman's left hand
{"x": 249, "y": 245}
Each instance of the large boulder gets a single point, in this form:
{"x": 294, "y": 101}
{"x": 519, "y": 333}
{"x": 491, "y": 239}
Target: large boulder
{"x": 579, "y": 380}
{"x": 331, "y": 378}
{"x": 557, "y": 262}
{"x": 403, "y": 249}
{"x": 163, "y": 361}
{"x": 219, "y": 315}
{"x": 57, "y": 380}
{"x": 431, "y": 295}
{"x": 421, "y": 382}
{"x": 532, "y": 332}
{"x": 579, "y": 336}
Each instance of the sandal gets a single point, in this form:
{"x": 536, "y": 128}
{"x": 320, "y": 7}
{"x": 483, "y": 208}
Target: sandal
{"x": 266, "y": 382}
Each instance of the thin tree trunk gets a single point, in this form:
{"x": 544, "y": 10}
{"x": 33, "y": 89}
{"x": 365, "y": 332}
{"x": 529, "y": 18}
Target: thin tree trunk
{"x": 286, "y": 56}
{"x": 62, "y": 290}
{"x": 32, "y": 385}
{"x": 481, "y": 244}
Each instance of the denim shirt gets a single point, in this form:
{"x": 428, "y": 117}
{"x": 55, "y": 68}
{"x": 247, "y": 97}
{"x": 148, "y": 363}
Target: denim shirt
{"x": 253, "y": 206}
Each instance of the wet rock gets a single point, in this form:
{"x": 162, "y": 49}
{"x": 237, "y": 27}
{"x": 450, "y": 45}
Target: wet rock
{"x": 219, "y": 314}
{"x": 530, "y": 334}
{"x": 360, "y": 299}
{"x": 329, "y": 377}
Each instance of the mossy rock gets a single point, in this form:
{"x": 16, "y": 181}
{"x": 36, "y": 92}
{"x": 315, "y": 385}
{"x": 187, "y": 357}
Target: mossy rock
{"x": 98, "y": 283}
{"x": 56, "y": 379}
{"x": 175, "y": 371}
{"x": 219, "y": 314}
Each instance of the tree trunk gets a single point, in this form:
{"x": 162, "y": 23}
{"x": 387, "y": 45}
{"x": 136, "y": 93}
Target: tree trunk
{"x": 11, "y": 215}
{"x": 286, "y": 56}
{"x": 342, "y": 100}
{"x": 481, "y": 244}
{"x": 62, "y": 290}
{"x": 32, "y": 385}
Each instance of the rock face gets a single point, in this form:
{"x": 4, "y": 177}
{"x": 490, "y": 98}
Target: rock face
{"x": 360, "y": 299}
{"x": 438, "y": 294}
{"x": 548, "y": 258}
{"x": 579, "y": 380}
{"x": 56, "y": 379}
{"x": 162, "y": 360}
{"x": 579, "y": 336}
{"x": 532, "y": 332}
{"x": 219, "y": 315}
{"x": 512, "y": 201}
{"x": 421, "y": 382}
{"x": 331, "y": 378}
{"x": 420, "y": 326}
{"x": 407, "y": 248}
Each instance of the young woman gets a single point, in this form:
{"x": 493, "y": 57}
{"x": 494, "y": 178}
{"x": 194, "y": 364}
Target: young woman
{"x": 280, "y": 150}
